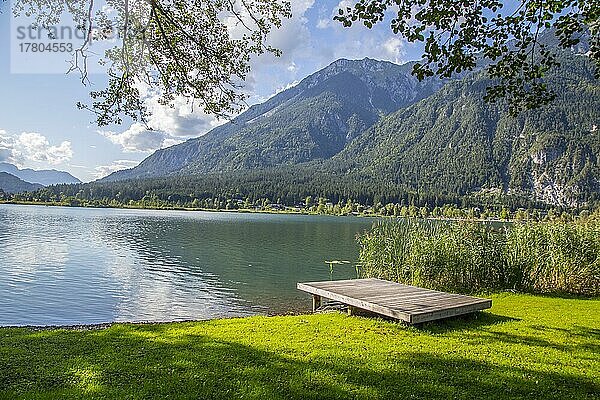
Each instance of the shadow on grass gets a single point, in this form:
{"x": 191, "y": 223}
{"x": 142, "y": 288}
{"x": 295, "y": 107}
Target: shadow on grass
{"x": 153, "y": 362}
{"x": 465, "y": 322}
{"x": 561, "y": 295}
{"x": 588, "y": 338}
{"x": 577, "y": 331}
{"x": 457, "y": 323}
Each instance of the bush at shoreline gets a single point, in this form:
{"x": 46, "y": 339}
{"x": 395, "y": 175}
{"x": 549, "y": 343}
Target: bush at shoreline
{"x": 470, "y": 257}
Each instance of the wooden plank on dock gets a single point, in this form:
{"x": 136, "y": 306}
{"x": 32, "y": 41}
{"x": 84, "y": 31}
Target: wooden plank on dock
{"x": 411, "y": 304}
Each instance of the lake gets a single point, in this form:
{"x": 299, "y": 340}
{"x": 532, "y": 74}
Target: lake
{"x": 63, "y": 266}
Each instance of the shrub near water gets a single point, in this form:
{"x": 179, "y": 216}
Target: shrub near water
{"x": 554, "y": 257}
{"x": 465, "y": 257}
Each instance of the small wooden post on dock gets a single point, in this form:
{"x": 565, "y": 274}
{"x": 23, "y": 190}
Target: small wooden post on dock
{"x": 316, "y": 302}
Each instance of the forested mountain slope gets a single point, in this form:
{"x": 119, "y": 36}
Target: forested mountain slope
{"x": 11, "y": 184}
{"x": 450, "y": 146}
{"x": 313, "y": 120}
{"x": 455, "y": 143}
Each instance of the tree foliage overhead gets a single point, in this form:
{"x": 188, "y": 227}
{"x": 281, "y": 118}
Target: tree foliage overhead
{"x": 201, "y": 50}
{"x": 198, "y": 50}
{"x": 506, "y": 36}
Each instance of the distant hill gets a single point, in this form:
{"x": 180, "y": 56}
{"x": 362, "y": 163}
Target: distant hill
{"x": 42, "y": 177}
{"x": 313, "y": 120}
{"x": 11, "y": 184}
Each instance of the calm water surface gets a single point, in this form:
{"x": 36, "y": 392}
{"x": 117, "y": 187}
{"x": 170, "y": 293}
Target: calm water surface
{"x": 80, "y": 266}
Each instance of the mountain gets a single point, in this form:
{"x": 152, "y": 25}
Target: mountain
{"x": 313, "y": 120}
{"x": 43, "y": 177}
{"x": 446, "y": 147}
{"x": 454, "y": 142}
{"x": 11, "y": 184}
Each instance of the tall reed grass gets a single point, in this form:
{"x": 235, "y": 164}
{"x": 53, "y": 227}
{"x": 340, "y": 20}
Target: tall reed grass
{"x": 468, "y": 257}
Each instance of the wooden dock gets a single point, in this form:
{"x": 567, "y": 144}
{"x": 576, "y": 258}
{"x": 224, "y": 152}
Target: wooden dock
{"x": 411, "y": 304}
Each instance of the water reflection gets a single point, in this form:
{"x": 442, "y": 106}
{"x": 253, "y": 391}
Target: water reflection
{"x": 65, "y": 266}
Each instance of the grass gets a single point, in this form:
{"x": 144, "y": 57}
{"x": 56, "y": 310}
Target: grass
{"x": 463, "y": 257}
{"x": 527, "y": 347}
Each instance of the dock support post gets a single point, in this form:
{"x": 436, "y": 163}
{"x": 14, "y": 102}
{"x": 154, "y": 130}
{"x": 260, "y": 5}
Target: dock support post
{"x": 316, "y": 302}
{"x": 350, "y": 311}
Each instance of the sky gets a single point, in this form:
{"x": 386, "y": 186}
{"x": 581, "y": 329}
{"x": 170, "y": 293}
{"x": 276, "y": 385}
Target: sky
{"x": 41, "y": 127}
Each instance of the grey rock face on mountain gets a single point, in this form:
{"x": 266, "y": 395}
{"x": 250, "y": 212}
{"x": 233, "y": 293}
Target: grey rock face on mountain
{"x": 42, "y": 177}
{"x": 313, "y": 120}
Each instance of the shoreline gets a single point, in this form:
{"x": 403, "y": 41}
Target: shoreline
{"x": 105, "y": 325}
{"x": 252, "y": 211}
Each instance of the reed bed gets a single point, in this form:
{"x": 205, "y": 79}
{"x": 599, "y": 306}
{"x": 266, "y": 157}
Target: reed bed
{"x": 471, "y": 257}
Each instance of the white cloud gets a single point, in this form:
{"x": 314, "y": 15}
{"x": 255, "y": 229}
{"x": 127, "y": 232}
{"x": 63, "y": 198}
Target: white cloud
{"x": 393, "y": 49}
{"x": 166, "y": 126}
{"x": 180, "y": 119}
{"x": 136, "y": 139}
{"x": 32, "y": 147}
{"x": 357, "y": 42}
{"x": 118, "y": 165}
{"x": 286, "y": 87}
{"x": 374, "y": 44}
{"x": 35, "y": 147}
{"x": 326, "y": 22}
{"x": 293, "y": 38}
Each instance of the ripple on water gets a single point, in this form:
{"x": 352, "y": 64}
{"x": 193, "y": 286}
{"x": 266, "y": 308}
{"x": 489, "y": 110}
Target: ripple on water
{"x": 74, "y": 266}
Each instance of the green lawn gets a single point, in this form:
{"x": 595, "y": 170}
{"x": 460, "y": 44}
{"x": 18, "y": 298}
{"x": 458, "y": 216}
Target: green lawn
{"x": 527, "y": 347}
